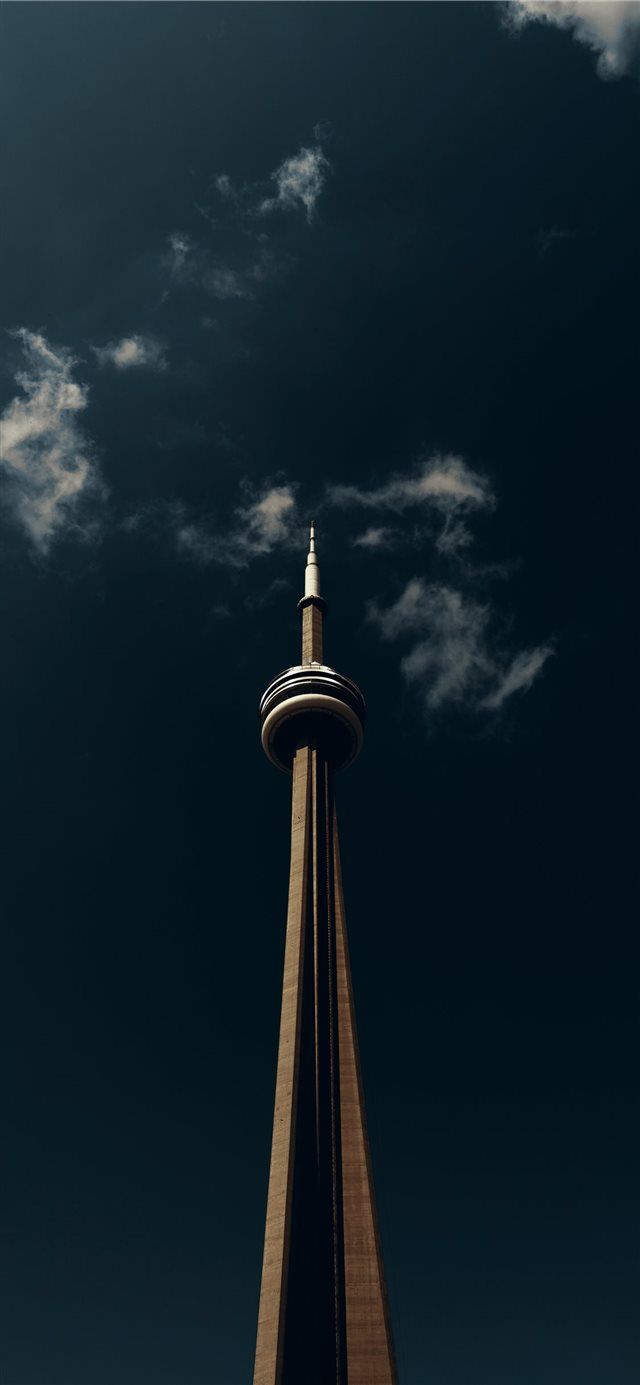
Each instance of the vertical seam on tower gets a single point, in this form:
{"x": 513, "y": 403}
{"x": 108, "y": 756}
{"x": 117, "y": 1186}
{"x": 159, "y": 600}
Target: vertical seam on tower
{"x": 316, "y": 932}
{"x": 337, "y": 868}
{"x": 333, "y": 1071}
{"x": 289, "y": 1194}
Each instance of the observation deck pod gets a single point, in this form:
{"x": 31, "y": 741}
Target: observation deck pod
{"x": 311, "y": 704}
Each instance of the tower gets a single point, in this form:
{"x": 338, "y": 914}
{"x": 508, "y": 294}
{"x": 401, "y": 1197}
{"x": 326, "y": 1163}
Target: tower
{"x": 323, "y": 1317}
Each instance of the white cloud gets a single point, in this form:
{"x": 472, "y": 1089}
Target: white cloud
{"x": 296, "y": 183}
{"x": 451, "y": 659}
{"x": 443, "y": 483}
{"x": 267, "y": 522}
{"x": 610, "y": 27}
{"x": 299, "y": 181}
{"x": 44, "y": 452}
{"x": 376, "y": 536}
{"x": 441, "y": 480}
{"x": 455, "y": 656}
{"x": 519, "y": 676}
{"x": 131, "y": 352}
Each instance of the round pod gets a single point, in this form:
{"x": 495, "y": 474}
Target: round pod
{"x": 312, "y": 704}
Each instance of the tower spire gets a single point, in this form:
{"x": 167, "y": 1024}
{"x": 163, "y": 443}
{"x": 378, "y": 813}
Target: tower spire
{"x": 323, "y": 1317}
{"x": 312, "y": 571}
{"x": 312, "y": 607}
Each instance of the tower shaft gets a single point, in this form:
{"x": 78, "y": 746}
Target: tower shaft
{"x": 312, "y": 633}
{"x": 323, "y": 1317}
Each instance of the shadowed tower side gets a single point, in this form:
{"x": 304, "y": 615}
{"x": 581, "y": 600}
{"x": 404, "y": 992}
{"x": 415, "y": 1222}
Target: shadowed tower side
{"x": 323, "y": 1316}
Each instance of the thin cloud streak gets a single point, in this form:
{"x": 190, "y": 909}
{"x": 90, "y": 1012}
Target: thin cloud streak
{"x": 441, "y": 480}
{"x": 519, "y": 676}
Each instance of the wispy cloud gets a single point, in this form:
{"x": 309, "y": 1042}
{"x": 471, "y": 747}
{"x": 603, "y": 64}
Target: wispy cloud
{"x": 186, "y": 261}
{"x": 444, "y": 483}
{"x": 552, "y": 236}
{"x": 295, "y": 185}
{"x": 223, "y": 282}
{"x": 179, "y": 257}
{"x": 452, "y": 659}
{"x": 455, "y": 655}
{"x": 48, "y": 460}
{"x": 224, "y": 186}
{"x": 376, "y": 536}
{"x": 263, "y": 596}
{"x": 132, "y": 352}
{"x": 440, "y": 480}
{"x": 263, "y": 522}
{"x": 239, "y": 256}
{"x": 299, "y": 181}
{"x": 519, "y": 675}
{"x": 266, "y": 523}
{"x": 610, "y": 27}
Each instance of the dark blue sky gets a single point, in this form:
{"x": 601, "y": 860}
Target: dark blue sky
{"x": 377, "y": 263}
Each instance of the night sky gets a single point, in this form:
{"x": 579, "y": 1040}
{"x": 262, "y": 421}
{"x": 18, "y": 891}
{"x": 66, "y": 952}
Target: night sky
{"x": 377, "y": 265}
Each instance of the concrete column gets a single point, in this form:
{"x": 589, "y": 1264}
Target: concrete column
{"x": 312, "y": 623}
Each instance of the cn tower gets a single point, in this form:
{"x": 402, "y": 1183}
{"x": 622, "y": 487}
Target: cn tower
{"x": 323, "y": 1316}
